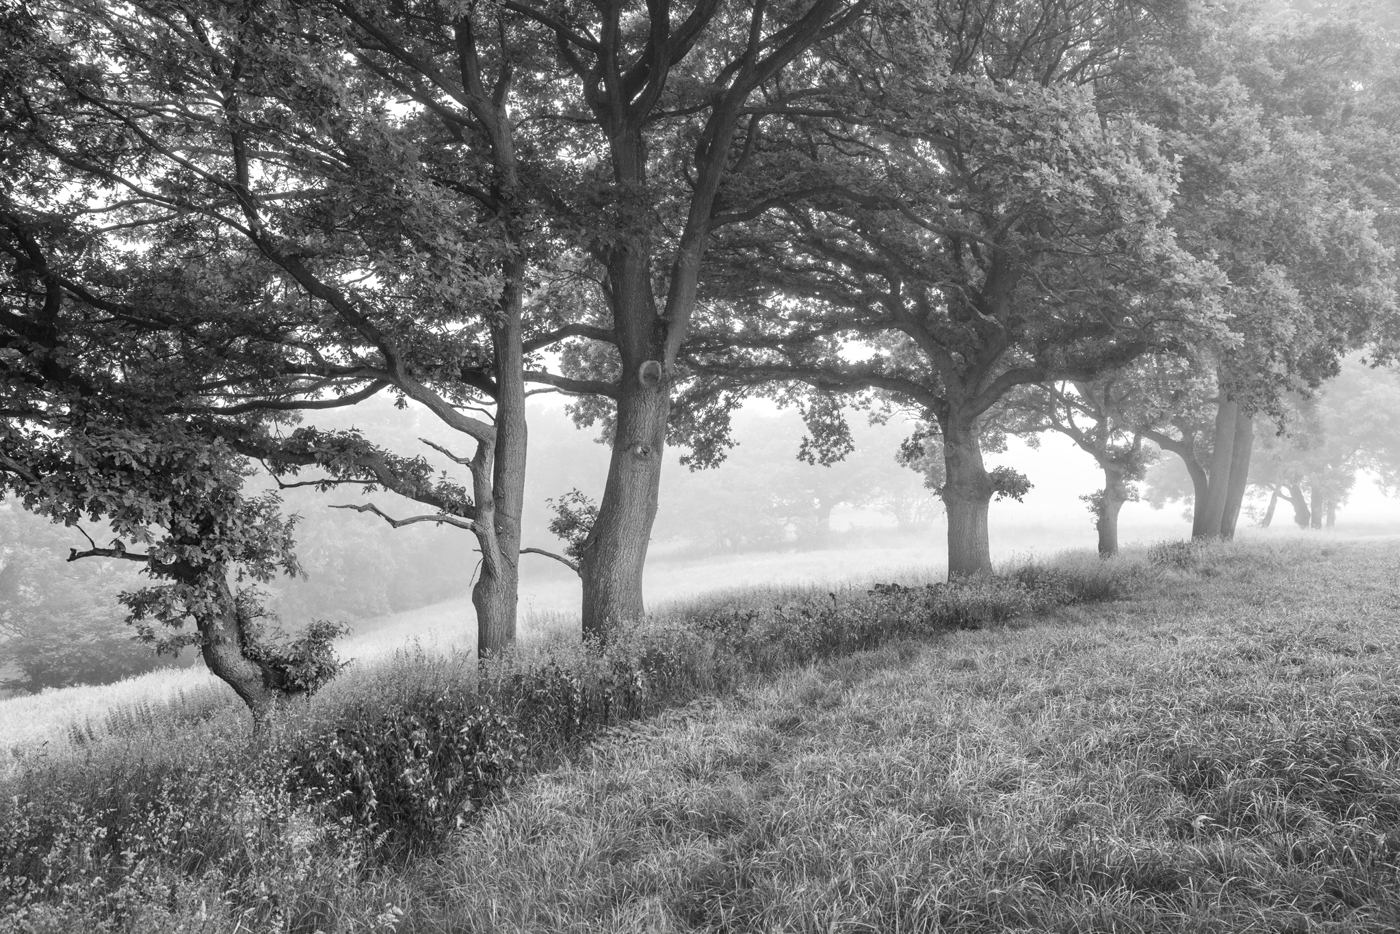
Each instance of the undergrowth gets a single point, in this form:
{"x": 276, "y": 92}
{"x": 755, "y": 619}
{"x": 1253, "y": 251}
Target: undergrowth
{"x": 177, "y": 822}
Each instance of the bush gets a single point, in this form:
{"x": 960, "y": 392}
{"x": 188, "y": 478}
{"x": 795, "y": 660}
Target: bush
{"x": 407, "y": 775}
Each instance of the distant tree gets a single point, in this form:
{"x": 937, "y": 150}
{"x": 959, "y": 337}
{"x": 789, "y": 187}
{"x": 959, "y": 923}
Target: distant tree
{"x": 1105, "y": 418}
{"x": 1352, "y": 424}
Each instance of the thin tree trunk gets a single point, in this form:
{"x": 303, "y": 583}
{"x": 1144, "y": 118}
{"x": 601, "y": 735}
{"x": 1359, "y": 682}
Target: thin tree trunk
{"x": 967, "y": 495}
{"x": 1269, "y": 512}
{"x": 496, "y": 594}
{"x": 1239, "y": 473}
{"x": 1210, "y": 515}
{"x": 1115, "y": 494}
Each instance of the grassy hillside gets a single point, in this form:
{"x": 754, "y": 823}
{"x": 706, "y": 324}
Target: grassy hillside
{"x": 1217, "y": 752}
{"x": 1220, "y": 755}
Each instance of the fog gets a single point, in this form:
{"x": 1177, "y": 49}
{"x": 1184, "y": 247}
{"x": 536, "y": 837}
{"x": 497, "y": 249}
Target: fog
{"x": 755, "y": 521}
{"x": 760, "y": 486}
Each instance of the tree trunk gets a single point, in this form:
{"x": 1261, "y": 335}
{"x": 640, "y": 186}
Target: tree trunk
{"x": 1115, "y": 494}
{"x": 1269, "y": 512}
{"x": 1301, "y": 514}
{"x": 1331, "y": 514}
{"x": 615, "y": 552}
{"x": 224, "y": 645}
{"x": 1239, "y": 473}
{"x": 1210, "y": 515}
{"x": 1317, "y": 507}
{"x": 500, "y": 485}
{"x": 967, "y": 494}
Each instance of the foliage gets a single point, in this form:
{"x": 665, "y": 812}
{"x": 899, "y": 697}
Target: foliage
{"x": 1009, "y": 483}
{"x": 574, "y": 515}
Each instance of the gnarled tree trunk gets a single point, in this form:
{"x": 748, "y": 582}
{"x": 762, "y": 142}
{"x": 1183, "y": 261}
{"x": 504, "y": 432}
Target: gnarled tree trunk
{"x": 225, "y": 642}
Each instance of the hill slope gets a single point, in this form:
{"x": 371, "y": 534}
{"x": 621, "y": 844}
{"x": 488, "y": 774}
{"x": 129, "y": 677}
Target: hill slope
{"x": 1221, "y": 755}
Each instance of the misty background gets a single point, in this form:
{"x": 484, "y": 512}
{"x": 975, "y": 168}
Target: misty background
{"x": 761, "y": 517}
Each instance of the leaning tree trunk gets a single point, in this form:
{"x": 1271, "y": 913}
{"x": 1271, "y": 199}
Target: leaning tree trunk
{"x": 500, "y": 487}
{"x": 225, "y": 644}
{"x": 1268, "y": 519}
{"x": 1210, "y": 514}
{"x": 967, "y": 496}
{"x": 1115, "y": 494}
{"x": 1238, "y": 480}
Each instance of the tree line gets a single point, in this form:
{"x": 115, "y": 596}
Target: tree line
{"x": 1130, "y": 220}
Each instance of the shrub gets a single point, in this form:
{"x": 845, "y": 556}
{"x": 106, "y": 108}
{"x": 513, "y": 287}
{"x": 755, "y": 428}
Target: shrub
{"x": 408, "y": 774}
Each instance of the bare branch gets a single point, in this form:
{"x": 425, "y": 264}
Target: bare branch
{"x": 567, "y": 562}
{"x": 464, "y": 461}
{"x": 117, "y": 552}
{"x": 439, "y": 518}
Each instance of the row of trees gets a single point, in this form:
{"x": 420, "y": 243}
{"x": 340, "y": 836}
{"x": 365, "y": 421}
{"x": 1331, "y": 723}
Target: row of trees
{"x": 220, "y": 215}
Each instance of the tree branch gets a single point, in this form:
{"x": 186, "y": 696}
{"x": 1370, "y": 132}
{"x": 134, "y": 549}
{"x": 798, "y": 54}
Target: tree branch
{"x": 570, "y": 564}
{"x": 576, "y": 329}
{"x": 439, "y": 518}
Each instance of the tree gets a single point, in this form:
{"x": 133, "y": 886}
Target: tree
{"x": 1352, "y": 424}
{"x": 1105, "y": 419}
{"x": 667, "y": 111}
{"x": 981, "y": 226}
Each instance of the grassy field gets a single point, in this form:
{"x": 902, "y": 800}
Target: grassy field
{"x": 1220, "y": 755}
{"x": 1218, "y": 752}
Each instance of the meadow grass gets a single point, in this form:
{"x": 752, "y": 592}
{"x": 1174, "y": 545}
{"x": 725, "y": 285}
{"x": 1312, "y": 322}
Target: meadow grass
{"x": 1218, "y": 755}
{"x": 1218, "y": 752}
